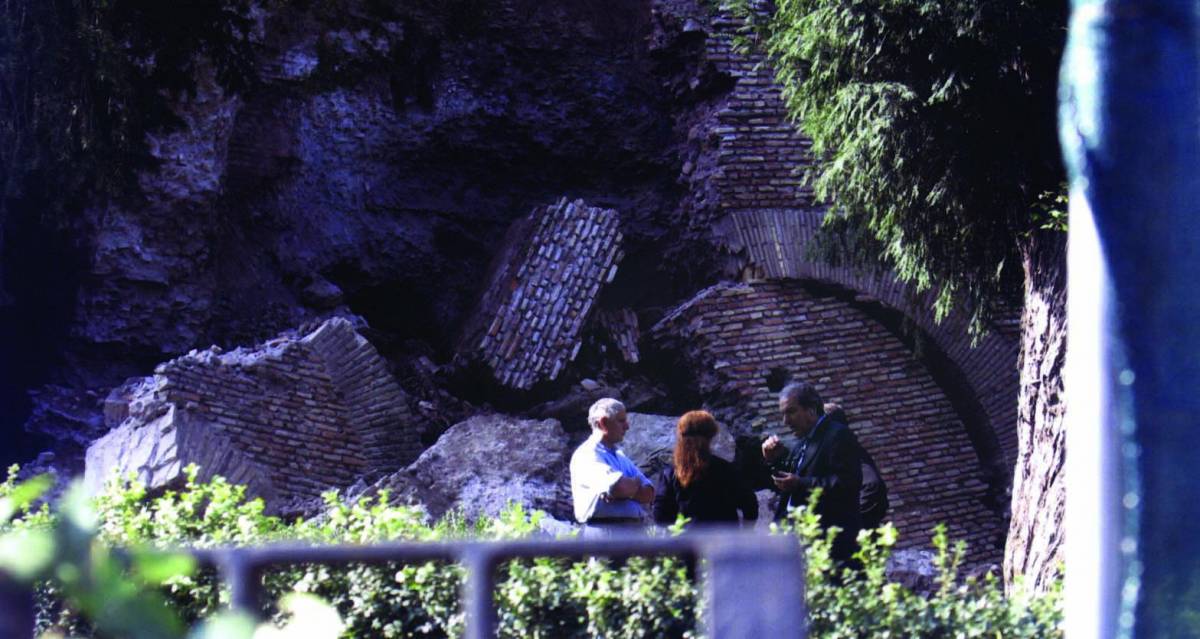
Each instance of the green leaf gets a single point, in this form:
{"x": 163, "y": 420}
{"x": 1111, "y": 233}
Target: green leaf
{"x": 312, "y": 618}
{"x": 26, "y": 554}
{"x": 76, "y": 508}
{"x": 23, "y": 495}
{"x": 158, "y": 567}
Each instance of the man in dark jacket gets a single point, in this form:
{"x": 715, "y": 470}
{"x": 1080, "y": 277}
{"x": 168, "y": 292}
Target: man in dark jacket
{"x": 826, "y": 457}
{"x": 873, "y": 496}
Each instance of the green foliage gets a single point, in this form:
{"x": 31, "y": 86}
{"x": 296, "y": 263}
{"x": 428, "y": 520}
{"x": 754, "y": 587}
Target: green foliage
{"x": 201, "y": 514}
{"x": 140, "y": 593}
{"x": 848, "y": 604}
{"x": 90, "y": 589}
{"x": 1050, "y": 210}
{"x": 935, "y": 124}
{"x": 113, "y": 591}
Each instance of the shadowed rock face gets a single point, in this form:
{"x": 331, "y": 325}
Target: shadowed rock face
{"x": 372, "y": 168}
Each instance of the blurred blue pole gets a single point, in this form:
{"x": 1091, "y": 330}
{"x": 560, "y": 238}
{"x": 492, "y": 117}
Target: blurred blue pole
{"x": 1130, "y": 123}
{"x": 16, "y": 610}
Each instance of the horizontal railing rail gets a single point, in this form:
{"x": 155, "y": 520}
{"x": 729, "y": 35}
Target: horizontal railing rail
{"x": 753, "y": 583}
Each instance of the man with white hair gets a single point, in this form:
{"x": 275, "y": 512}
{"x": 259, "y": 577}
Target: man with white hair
{"x": 607, "y": 487}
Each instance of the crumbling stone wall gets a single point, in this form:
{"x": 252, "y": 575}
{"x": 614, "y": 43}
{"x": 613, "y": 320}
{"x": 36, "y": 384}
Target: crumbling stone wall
{"x": 741, "y": 335}
{"x": 291, "y": 419}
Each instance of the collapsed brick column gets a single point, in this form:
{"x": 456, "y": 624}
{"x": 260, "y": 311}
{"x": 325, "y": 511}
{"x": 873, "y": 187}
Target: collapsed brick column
{"x": 554, "y": 263}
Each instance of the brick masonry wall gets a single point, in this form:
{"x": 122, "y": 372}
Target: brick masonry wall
{"x": 376, "y": 407}
{"x": 531, "y": 317}
{"x": 760, "y": 155}
{"x": 755, "y": 160}
{"x": 761, "y": 160}
{"x": 290, "y": 418}
{"x": 775, "y": 243}
{"x": 741, "y": 332}
{"x": 282, "y": 410}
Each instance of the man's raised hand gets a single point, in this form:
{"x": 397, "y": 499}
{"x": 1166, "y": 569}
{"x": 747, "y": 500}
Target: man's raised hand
{"x": 772, "y": 449}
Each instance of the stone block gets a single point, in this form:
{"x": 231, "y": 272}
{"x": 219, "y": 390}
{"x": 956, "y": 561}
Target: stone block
{"x": 480, "y": 465}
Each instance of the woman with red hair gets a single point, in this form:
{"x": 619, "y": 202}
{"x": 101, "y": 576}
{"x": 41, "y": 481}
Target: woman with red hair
{"x": 699, "y": 485}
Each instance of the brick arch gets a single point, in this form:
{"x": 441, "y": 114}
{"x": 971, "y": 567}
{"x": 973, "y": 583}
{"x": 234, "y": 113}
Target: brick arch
{"x": 985, "y": 374}
{"x": 737, "y": 334}
{"x": 748, "y": 196}
{"x": 752, "y": 200}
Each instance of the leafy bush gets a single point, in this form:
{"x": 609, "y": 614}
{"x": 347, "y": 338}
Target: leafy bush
{"x": 535, "y": 598}
{"x": 845, "y": 604}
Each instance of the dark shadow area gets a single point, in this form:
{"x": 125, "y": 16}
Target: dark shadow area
{"x": 41, "y": 268}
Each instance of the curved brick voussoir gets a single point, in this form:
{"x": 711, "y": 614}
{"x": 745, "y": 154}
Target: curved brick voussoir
{"x": 775, "y": 241}
{"x": 749, "y": 338}
{"x": 544, "y": 285}
{"x": 290, "y": 419}
{"x": 376, "y": 407}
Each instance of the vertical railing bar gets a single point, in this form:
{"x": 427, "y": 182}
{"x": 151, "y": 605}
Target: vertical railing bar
{"x": 480, "y": 562}
{"x": 16, "y": 610}
{"x": 237, "y": 570}
{"x": 772, "y": 569}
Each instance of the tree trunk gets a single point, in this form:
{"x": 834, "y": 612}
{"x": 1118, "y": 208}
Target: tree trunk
{"x": 1035, "y": 534}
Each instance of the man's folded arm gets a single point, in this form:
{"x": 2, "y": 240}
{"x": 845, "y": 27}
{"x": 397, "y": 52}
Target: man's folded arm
{"x": 644, "y": 494}
{"x": 626, "y": 488}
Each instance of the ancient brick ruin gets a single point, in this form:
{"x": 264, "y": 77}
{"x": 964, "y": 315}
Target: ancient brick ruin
{"x": 300, "y": 414}
{"x": 937, "y": 411}
{"x": 319, "y": 408}
{"x": 529, "y": 322}
{"x": 760, "y": 155}
{"x": 776, "y": 241}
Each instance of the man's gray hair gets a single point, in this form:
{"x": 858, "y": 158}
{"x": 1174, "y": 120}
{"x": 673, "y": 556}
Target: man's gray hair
{"x": 804, "y": 394}
{"x": 607, "y": 407}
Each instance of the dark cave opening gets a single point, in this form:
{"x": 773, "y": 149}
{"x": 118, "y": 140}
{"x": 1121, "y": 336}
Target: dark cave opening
{"x": 41, "y": 273}
{"x": 398, "y": 313}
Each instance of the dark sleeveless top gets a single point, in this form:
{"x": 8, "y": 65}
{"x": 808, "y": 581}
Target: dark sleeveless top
{"x": 717, "y": 496}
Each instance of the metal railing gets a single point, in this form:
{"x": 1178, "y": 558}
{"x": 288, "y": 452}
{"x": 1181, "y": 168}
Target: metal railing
{"x": 754, "y": 584}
